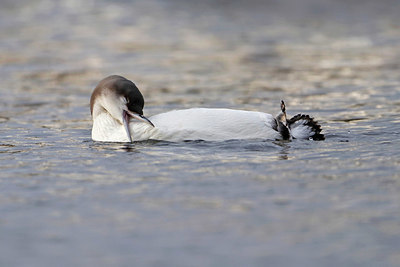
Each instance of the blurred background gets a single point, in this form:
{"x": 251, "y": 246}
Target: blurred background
{"x": 220, "y": 52}
{"x": 65, "y": 200}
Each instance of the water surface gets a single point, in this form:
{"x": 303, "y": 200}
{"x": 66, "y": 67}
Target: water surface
{"x": 68, "y": 201}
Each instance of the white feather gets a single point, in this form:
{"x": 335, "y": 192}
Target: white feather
{"x": 300, "y": 131}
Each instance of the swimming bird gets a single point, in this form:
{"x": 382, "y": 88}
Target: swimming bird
{"x": 117, "y": 105}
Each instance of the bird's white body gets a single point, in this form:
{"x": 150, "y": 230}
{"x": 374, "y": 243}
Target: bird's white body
{"x": 117, "y": 105}
{"x": 208, "y": 124}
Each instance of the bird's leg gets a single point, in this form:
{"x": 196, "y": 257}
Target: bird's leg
{"x": 281, "y": 121}
{"x": 283, "y": 117}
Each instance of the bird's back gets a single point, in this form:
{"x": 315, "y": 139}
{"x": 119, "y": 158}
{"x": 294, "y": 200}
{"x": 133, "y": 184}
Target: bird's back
{"x": 213, "y": 125}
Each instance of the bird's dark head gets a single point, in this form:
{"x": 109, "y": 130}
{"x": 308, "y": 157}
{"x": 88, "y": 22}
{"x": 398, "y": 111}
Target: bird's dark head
{"x": 120, "y": 98}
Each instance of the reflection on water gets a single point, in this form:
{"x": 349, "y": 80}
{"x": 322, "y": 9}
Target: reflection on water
{"x": 257, "y": 203}
{"x": 285, "y": 149}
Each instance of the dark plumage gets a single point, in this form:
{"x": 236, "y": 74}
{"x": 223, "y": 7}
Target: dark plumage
{"x": 288, "y": 128}
{"x": 122, "y": 87}
{"x": 308, "y": 121}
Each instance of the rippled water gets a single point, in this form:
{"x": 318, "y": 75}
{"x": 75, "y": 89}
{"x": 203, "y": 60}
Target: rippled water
{"x": 68, "y": 201}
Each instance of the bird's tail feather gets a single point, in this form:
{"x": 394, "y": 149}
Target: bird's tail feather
{"x": 304, "y": 126}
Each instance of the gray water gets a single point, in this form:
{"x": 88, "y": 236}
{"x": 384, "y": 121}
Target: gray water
{"x": 68, "y": 201}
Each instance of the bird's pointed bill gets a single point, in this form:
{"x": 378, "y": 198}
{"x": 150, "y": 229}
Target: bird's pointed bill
{"x": 125, "y": 118}
{"x": 126, "y": 115}
{"x": 139, "y": 117}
